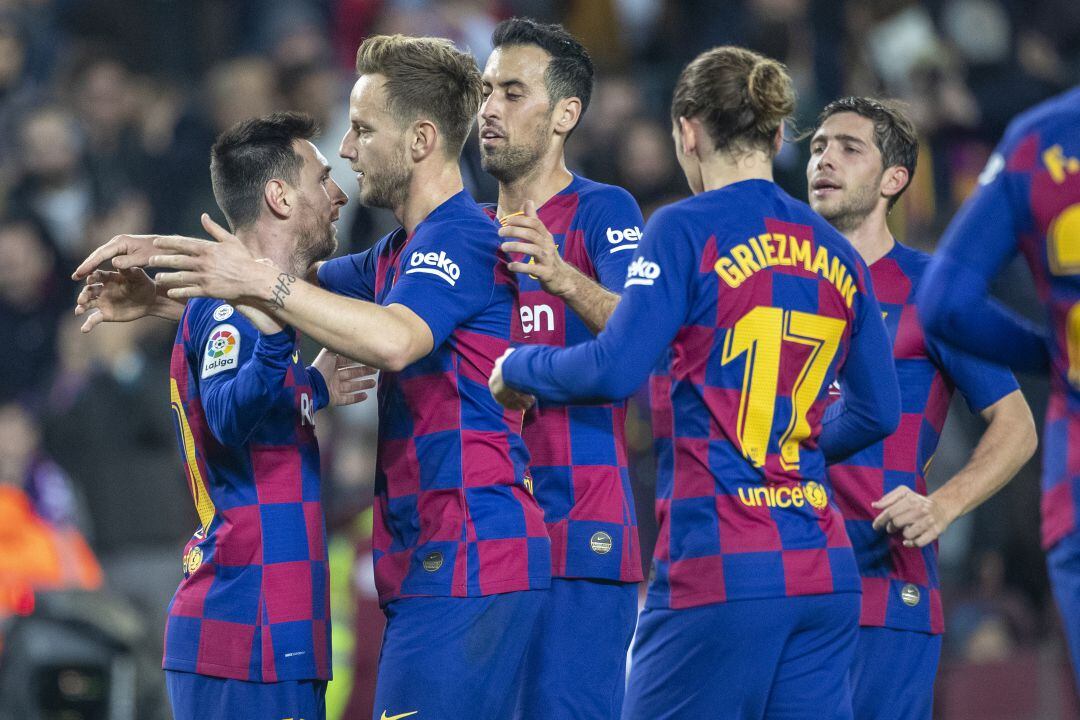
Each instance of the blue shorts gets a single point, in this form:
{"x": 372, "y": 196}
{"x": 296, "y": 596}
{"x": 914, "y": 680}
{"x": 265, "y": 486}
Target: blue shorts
{"x": 576, "y": 663}
{"x": 1063, "y": 563}
{"x": 202, "y": 697}
{"x": 445, "y": 658}
{"x": 892, "y": 675}
{"x": 776, "y": 658}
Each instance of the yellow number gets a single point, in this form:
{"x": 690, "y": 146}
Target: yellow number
{"x": 1072, "y": 343}
{"x": 760, "y": 334}
{"x": 204, "y": 505}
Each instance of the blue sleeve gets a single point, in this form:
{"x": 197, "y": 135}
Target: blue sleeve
{"x": 982, "y": 383}
{"x": 870, "y": 408}
{"x": 448, "y": 274}
{"x": 954, "y": 298}
{"x": 319, "y": 387}
{"x": 612, "y": 235}
{"x": 351, "y": 275}
{"x": 240, "y": 371}
{"x": 657, "y": 296}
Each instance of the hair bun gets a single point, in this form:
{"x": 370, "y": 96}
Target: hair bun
{"x": 769, "y": 90}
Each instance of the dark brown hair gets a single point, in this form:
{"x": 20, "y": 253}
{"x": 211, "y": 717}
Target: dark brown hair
{"x": 894, "y": 133}
{"x": 740, "y": 96}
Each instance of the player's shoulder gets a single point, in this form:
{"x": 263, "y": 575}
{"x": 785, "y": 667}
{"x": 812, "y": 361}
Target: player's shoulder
{"x": 206, "y": 311}
{"x": 1050, "y": 117}
{"x": 458, "y": 221}
{"x": 597, "y": 195}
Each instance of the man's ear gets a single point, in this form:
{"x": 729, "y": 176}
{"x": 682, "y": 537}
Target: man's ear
{"x": 423, "y": 140}
{"x": 278, "y": 196}
{"x": 894, "y": 180}
{"x": 567, "y": 115}
{"x": 688, "y": 136}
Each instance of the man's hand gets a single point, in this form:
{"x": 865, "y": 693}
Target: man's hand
{"x": 505, "y": 395}
{"x": 122, "y": 296}
{"x": 224, "y": 269}
{"x": 347, "y": 381}
{"x": 530, "y": 237}
{"x": 921, "y": 519}
{"x": 125, "y": 251}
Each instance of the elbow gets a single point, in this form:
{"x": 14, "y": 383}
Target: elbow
{"x": 395, "y": 356}
{"x": 615, "y": 386}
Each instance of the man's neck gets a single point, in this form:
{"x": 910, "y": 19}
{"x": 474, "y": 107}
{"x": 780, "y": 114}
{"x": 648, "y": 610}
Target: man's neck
{"x": 721, "y": 170}
{"x": 548, "y": 178}
{"x": 872, "y": 237}
{"x": 430, "y": 187}
{"x": 272, "y": 242}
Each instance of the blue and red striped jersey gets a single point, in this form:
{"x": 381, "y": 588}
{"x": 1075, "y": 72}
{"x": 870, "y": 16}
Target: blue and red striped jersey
{"x": 453, "y": 514}
{"x": 577, "y": 453}
{"x": 1028, "y": 199}
{"x": 757, "y": 304}
{"x": 254, "y": 602}
{"x": 900, "y": 584}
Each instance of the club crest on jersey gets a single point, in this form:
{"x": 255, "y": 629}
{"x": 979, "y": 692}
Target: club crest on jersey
{"x": 642, "y": 272}
{"x": 222, "y": 350}
{"x": 438, "y": 264}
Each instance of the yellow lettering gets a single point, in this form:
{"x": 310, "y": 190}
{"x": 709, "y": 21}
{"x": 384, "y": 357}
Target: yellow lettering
{"x": 1054, "y": 159}
{"x": 766, "y": 247}
{"x": 836, "y": 272}
{"x": 781, "y": 249}
{"x": 745, "y": 259}
{"x": 747, "y": 498}
{"x": 800, "y": 251}
{"x": 757, "y": 252}
{"x": 727, "y": 270}
{"x": 761, "y": 496}
{"x": 847, "y": 289}
{"x": 797, "y": 498}
{"x": 783, "y": 497}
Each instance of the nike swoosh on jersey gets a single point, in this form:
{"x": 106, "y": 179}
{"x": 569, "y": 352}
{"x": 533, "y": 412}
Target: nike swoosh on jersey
{"x": 397, "y": 717}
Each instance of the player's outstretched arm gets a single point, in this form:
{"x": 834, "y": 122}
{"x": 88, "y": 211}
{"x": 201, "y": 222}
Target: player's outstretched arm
{"x": 1009, "y": 442}
{"x": 123, "y": 296}
{"x": 654, "y": 305}
{"x": 527, "y": 234}
{"x": 389, "y": 338}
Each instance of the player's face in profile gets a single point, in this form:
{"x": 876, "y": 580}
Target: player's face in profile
{"x": 319, "y": 201}
{"x": 515, "y": 117}
{"x": 375, "y": 146}
{"x": 845, "y": 170}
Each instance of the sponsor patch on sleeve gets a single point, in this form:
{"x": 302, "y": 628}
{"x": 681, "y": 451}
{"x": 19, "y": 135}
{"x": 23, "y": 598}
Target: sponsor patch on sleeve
{"x": 222, "y": 350}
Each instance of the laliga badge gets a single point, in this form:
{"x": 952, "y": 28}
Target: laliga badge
{"x": 222, "y": 350}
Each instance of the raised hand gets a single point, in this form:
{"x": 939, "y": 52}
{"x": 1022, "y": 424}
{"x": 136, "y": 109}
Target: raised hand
{"x": 529, "y": 236}
{"x": 125, "y": 252}
{"x": 504, "y": 394}
{"x": 347, "y": 381}
{"x": 122, "y": 296}
{"x": 224, "y": 269}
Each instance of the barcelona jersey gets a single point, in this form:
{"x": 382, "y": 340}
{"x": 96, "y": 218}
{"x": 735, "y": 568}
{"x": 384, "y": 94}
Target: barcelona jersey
{"x": 1028, "y": 200}
{"x": 254, "y": 600}
{"x": 453, "y": 514}
{"x": 577, "y": 453}
{"x": 757, "y": 305}
{"x": 900, "y": 584}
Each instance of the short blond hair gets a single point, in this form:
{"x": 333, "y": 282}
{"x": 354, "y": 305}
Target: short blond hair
{"x": 427, "y": 78}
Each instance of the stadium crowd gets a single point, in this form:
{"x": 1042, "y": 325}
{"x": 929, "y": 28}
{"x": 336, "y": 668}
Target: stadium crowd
{"x": 108, "y": 112}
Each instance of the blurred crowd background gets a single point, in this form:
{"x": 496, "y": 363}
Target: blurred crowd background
{"x": 108, "y": 109}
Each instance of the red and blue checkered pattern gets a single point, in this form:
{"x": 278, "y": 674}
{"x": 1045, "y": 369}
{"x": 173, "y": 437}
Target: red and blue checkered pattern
{"x": 712, "y": 546}
{"x": 453, "y": 515}
{"x": 1039, "y": 163}
{"x": 901, "y": 589}
{"x": 578, "y": 452}
{"x": 254, "y": 602}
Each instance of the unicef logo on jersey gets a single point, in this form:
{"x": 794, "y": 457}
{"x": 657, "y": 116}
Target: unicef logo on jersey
{"x": 434, "y": 263}
{"x": 641, "y": 272}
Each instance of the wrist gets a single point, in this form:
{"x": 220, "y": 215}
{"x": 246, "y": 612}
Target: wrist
{"x": 950, "y": 507}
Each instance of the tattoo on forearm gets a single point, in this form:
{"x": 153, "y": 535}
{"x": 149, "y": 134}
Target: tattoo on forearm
{"x": 281, "y": 289}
